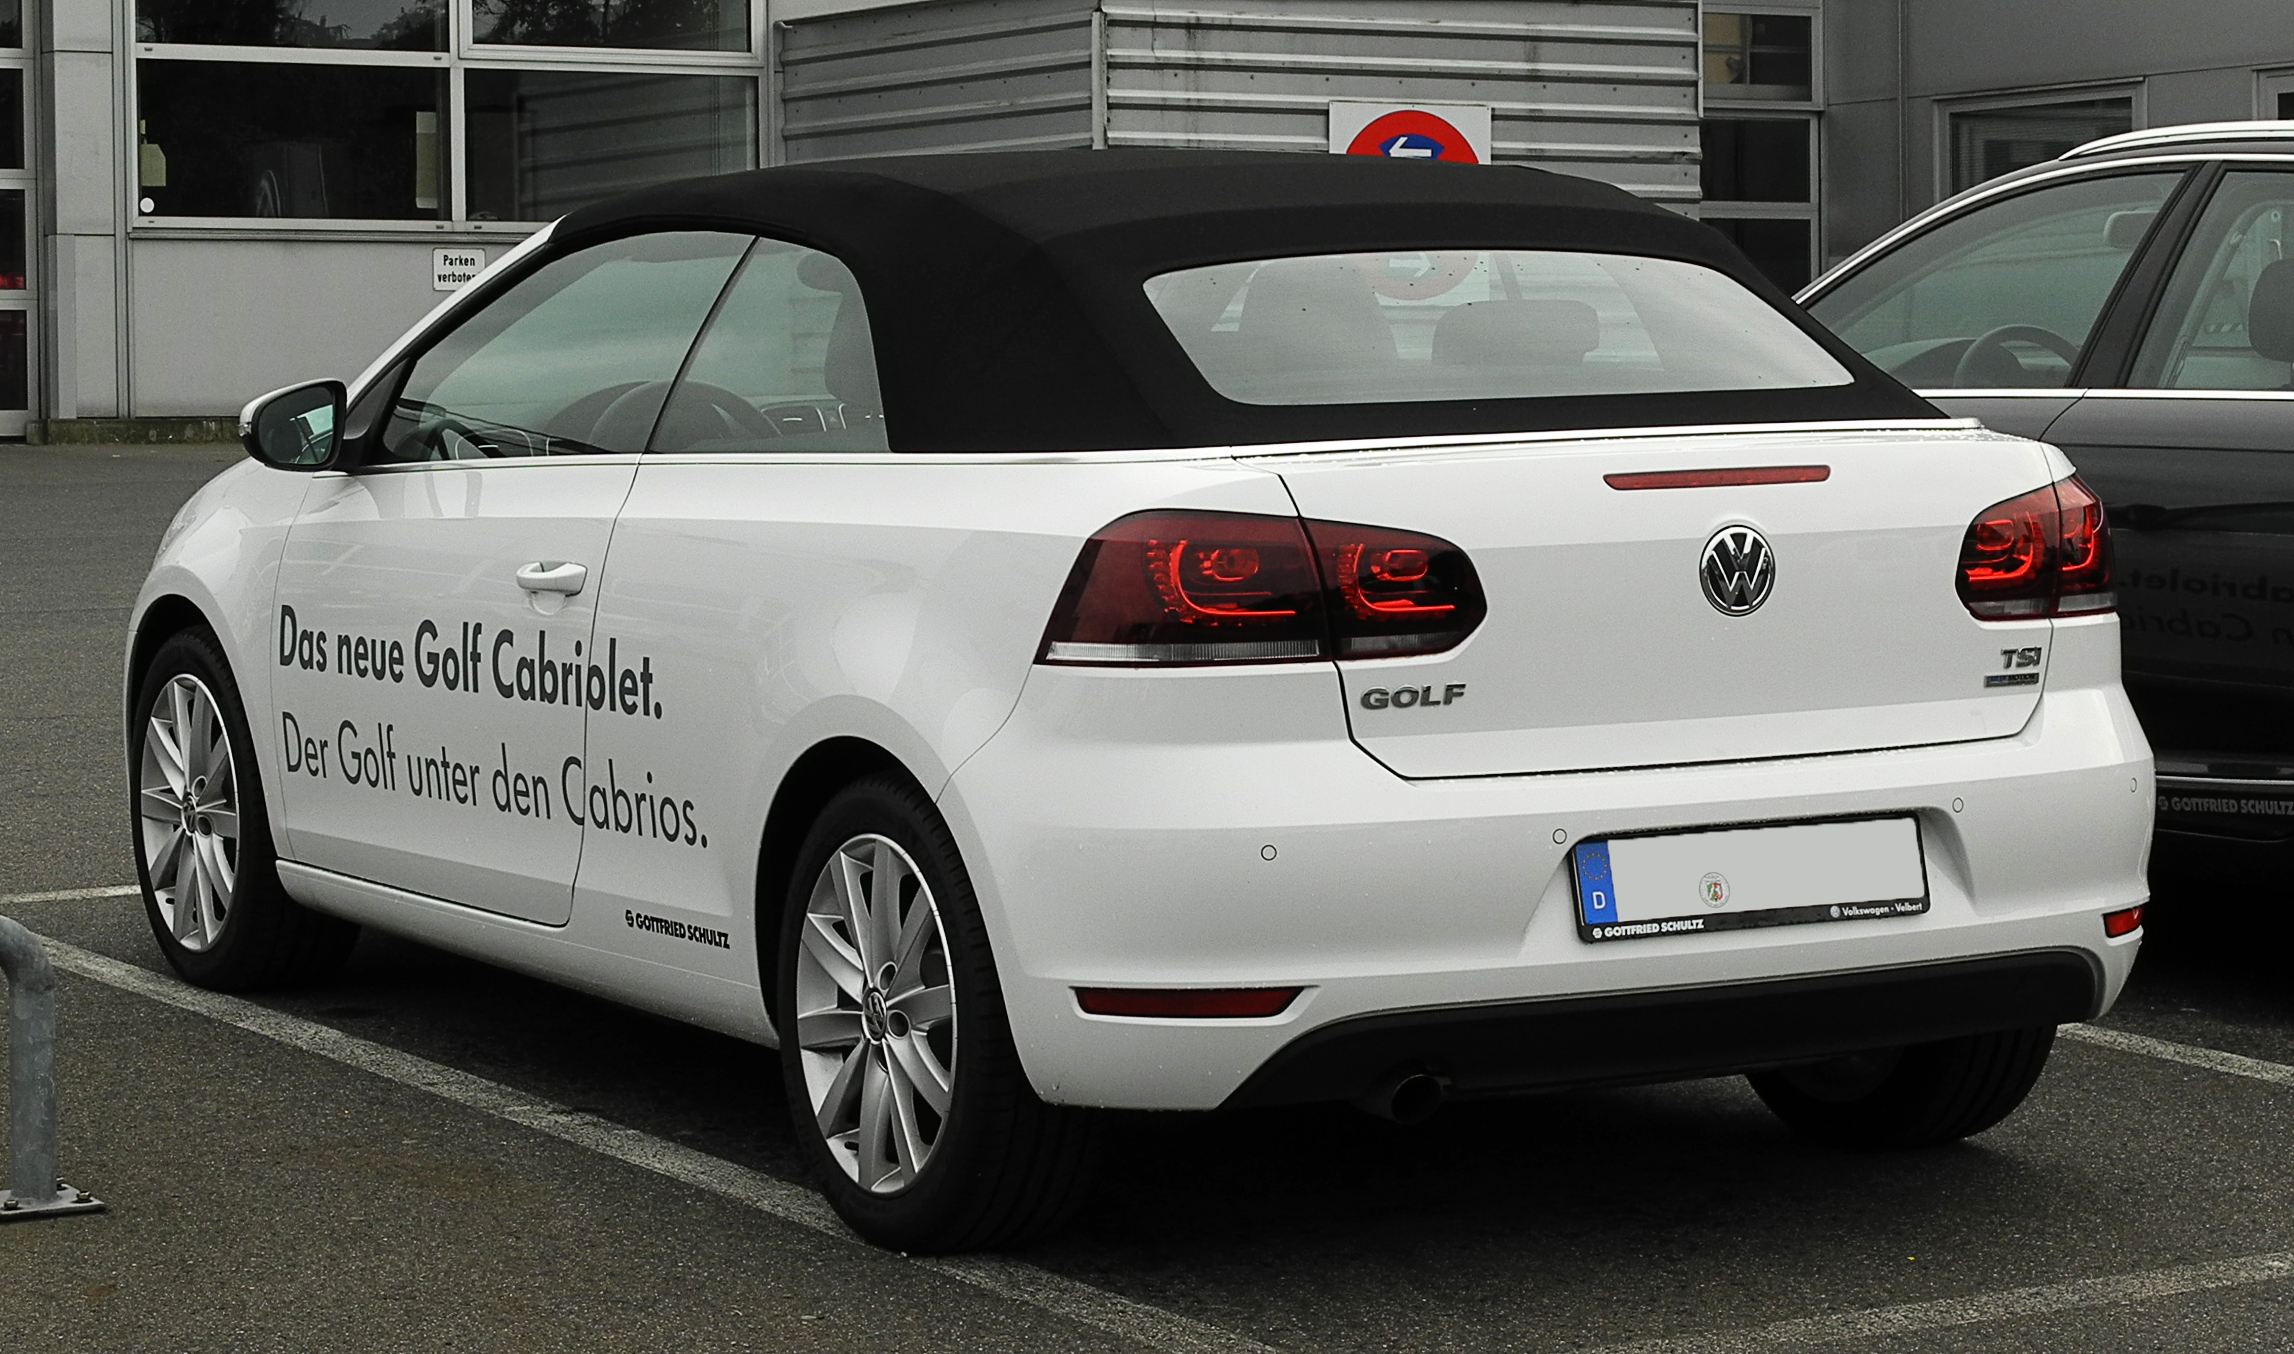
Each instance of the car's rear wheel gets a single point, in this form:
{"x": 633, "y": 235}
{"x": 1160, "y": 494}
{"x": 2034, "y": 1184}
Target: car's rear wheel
{"x": 203, "y": 850}
{"x": 1910, "y": 1097}
{"x": 903, "y": 1082}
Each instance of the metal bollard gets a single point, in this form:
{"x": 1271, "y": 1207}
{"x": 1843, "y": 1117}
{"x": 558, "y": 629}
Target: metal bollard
{"x": 35, "y": 1191}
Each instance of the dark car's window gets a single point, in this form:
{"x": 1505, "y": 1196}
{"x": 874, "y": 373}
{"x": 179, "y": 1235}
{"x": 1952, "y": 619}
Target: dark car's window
{"x": 576, "y": 358}
{"x": 2226, "y": 321}
{"x": 2002, "y": 296}
{"x": 787, "y": 364}
{"x": 1479, "y": 325}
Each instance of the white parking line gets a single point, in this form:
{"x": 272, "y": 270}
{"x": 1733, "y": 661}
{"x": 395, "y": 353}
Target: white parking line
{"x": 71, "y": 895}
{"x": 1010, "y": 1279}
{"x": 1152, "y": 1326}
{"x": 2211, "y": 1059}
{"x": 1913, "y": 1317}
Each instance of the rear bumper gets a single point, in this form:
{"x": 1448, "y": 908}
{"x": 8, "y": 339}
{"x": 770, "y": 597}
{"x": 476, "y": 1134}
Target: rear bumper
{"x": 1662, "y": 1036}
{"x": 1215, "y": 828}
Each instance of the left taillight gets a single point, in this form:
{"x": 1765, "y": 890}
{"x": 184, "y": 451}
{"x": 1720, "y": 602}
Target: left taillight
{"x": 2045, "y": 553}
{"x": 1171, "y": 588}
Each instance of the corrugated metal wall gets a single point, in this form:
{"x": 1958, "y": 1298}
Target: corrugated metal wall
{"x": 1603, "y": 88}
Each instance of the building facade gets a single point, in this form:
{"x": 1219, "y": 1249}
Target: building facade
{"x": 210, "y": 198}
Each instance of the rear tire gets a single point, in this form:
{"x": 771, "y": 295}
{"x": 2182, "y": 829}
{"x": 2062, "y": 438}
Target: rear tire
{"x": 202, "y": 833}
{"x": 875, "y": 1026}
{"x": 1910, "y": 1097}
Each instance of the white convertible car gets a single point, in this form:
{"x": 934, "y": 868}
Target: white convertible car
{"x": 1028, "y": 633}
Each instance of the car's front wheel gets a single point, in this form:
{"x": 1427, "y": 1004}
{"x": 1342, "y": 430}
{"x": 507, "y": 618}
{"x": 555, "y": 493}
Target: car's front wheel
{"x": 903, "y": 1082}
{"x": 203, "y": 847}
{"x": 1909, "y": 1097}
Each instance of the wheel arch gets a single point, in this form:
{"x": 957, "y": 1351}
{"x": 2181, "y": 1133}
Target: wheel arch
{"x": 168, "y": 615}
{"x": 811, "y": 781}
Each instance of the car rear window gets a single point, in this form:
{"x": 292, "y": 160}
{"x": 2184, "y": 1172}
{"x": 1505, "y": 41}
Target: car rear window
{"x": 1491, "y": 324}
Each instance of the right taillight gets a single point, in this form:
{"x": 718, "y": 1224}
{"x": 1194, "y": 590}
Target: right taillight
{"x": 2045, "y": 553}
{"x": 1170, "y": 588}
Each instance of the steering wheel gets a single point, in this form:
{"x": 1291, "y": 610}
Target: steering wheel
{"x": 447, "y": 438}
{"x": 736, "y": 411}
{"x": 1995, "y": 341}
{"x": 638, "y": 411}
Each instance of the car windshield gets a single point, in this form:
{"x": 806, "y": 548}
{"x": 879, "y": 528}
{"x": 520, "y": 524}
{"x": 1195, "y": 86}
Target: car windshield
{"x": 1391, "y": 327}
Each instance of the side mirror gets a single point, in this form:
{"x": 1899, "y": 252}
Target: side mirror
{"x": 298, "y": 428}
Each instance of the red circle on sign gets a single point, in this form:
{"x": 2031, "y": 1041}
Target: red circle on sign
{"x": 1410, "y": 124}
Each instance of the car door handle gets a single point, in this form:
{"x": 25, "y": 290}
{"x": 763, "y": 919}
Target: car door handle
{"x": 554, "y": 576}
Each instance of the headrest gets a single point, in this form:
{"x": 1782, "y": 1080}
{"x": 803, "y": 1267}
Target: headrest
{"x": 1512, "y": 333}
{"x": 849, "y": 368}
{"x": 2270, "y": 312}
{"x": 1314, "y": 315}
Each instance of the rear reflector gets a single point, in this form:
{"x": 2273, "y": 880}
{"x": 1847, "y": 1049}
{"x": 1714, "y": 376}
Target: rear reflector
{"x": 2116, "y": 924}
{"x": 2045, "y": 553}
{"x": 1714, "y": 479}
{"x": 1179, "y": 588}
{"x": 1199, "y": 1003}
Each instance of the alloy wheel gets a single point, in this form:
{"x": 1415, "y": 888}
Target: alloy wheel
{"x": 876, "y": 1014}
{"x": 187, "y": 811}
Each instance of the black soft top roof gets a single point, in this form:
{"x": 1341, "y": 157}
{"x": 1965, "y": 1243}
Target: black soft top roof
{"x": 1004, "y": 290}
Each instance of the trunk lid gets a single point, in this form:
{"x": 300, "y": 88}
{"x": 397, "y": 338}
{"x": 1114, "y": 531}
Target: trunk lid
{"x": 1601, "y": 649}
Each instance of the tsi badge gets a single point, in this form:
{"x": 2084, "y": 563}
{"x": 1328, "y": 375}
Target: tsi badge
{"x": 1737, "y": 571}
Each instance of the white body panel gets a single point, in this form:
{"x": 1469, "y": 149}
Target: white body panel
{"x": 416, "y": 770}
{"x": 1131, "y": 827}
{"x": 889, "y": 600}
{"x": 1600, "y": 651}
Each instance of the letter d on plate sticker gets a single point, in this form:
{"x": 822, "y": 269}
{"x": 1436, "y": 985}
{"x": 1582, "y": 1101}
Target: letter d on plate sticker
{"x": 1596, "y": 889}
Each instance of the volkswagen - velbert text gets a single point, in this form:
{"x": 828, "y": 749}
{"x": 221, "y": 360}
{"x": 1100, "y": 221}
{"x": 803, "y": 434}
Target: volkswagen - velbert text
{"x": 1027, "y": 634}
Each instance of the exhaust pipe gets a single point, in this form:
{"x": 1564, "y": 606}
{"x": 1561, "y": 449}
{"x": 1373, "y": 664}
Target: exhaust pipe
{"x": 1407, "y": 1095}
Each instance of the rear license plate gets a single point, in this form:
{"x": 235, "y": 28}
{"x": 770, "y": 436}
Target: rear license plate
{"x": 1728, "y": 879}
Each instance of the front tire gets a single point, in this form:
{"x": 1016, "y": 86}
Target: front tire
{"x": 1920, "y": 1096}
{"x": 904, "y": 1086}
{"x": 202, "y": 833}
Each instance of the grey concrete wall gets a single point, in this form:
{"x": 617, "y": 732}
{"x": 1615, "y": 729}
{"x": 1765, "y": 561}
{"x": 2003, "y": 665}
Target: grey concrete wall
{"x": 2195, "y": 62}
{"x": 216, "y": 322}
{"x": 75, "y": 149}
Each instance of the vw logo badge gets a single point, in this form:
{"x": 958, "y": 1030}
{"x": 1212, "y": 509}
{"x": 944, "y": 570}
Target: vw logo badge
{"x": 1738, "y": 571}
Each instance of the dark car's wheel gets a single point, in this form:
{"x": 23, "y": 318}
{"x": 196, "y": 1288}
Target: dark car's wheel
{"x": 202, "y": 838}
{"x": 1910, "y": 1097}
{"x": 905, "y": 1088}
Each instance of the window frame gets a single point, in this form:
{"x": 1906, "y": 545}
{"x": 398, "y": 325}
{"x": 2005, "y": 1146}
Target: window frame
{"x": 1811, "y": 10}
{"x": 460, "y": 55}
{"x": 396, "y": 365}
{"x": 2271, "y": 82}
{"x": 2106, "y": 358}
{"x": 2136, "y": 91}
{"x": 1714, "y": 103}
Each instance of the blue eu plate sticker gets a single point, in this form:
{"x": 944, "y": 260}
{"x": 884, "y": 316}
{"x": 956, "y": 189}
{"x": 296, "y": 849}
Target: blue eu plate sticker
{"x": 1596, "y": 892}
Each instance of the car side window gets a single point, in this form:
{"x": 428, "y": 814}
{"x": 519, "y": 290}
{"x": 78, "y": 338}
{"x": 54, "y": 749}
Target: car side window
{"x": 576, "y": 358}
{"x": 2226, "y": 319}
{"x": 787, "y": 364}
{"x": 2003, "y": 296}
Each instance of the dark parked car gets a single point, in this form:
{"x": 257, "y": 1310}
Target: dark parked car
{"x": 2133, "y": 303}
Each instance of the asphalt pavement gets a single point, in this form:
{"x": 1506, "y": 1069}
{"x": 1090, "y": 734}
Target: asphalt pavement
{"x": 430, "y": 1154}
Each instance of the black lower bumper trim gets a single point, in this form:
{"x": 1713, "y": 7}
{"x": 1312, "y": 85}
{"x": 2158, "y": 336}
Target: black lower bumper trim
{"x": 1671, "y": 1034}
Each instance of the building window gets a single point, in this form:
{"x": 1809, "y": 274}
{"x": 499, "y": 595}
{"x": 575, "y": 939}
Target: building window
{"x": 393, "y": 111}
{"x": 544, "y": 142}
{"x": 231, "y": 138}
{"x": 1760, "y": 180}
{"x": 690, "y": 25}
{"x": 1990, "y": 141}
{"x": 1760, "y": 56}
{"x": 387, "y": 25}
